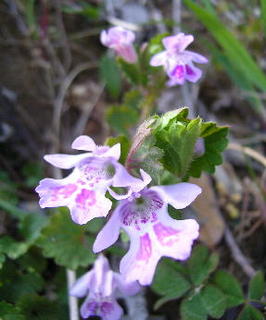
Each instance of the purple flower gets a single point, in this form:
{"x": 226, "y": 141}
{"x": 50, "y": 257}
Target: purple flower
{"x": 153, "y": 233}
{"x": 120, "y": 40}
{"x": 101, "y": 285}
{"x": 178, "y": 62}
{"x": 83, "y": 191}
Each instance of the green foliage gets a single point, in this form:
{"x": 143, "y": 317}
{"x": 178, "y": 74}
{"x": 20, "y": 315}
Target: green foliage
{"x": 176, "y": 136}
{"x": 169, "y": 282}
{"x": 250, "y": 313}
{"x": 83, "y": 8}
{"x": 131, "y": 71}
{"x": 214, "y": 301}
{"x": 124, "y": 143}
{"x": 192, "y": 308}
{"x": 201, "y": 264}
{"x": 230, "y": 286}
{"x": 263, "y": 15}
{"x": 10, "y": 312}
{"x": 121, "y": 118}
{"x": 66, "y": 242}
{"x": 110, "y": 75}
{"x": 256, "y": 286}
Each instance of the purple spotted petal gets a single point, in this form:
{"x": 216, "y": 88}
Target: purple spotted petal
{"x": 89, "y": 204}
{"x": 113, "y": 152}
{"x": 178, "y": 195}
{"x": 84, "y": 143}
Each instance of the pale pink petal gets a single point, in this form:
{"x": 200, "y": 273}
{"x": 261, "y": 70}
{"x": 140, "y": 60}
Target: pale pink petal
{"x": 113, "y": 152}
{"x": 109, "y": 233}
{"x": 121, "y": 35}
{"x": 81, "y": 287}
{"x": 125, "y": 287}
{"x": 140, "y": 261}
{"x": 57, "y": 192}
{"x": 193, "y": 73}
{"x": 89, "y": 204}
{"x": 65, "y": 161}
{"x": 178, "y": 195}
{"x": 127, "y": 52}
{"x": 174, "y": 238}
{"x": 177, "y": 42}
{"x": 84, "y": 143}
{"x": 159, "y": 59}
{"x": 196, "y": 57}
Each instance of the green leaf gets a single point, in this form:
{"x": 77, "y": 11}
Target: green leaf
{"x": 215, "y": 141}
{"x": 250, "y": 313}
{"x": 121, "y": 118}
{"x": 177, "y": 136}
{"x": 169, "y": 283}
{"x": 230, "y": 286}
{"x": 201, "y": 264}
{"x": 263, "y": 15}
{"x": 10, "y": 312}
{"x": 31, "y": 225}
{"x": 16, "y": 282}
{"x": 256, "y": 286}
{"x": 130, "y": 70}
{"x": 40, "y": 308}
{"x": 192, "y": 308}
{"x": 233, "y": 48}
{"x": 214, "y": 301}
{"x": 148, "y": 157}
{"x": 12, "y": 248}
{"x": 66, "y": 242}
{"x": 110, "y": 75}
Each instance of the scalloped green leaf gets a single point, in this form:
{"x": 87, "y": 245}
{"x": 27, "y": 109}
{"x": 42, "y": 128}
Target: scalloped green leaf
{"x": 230, "y": 286}
{"x": 215, "y": 141}
{"x": 213, "y": 300}
{"x": 192, "y": 308}
{"x": 256, "y": 286}
{"x": 121, "y": 118}
{"x": 250, "y": 313}
{"x": 169, "y": 283}
{"x": 110, "y": 75}
{"x": 201, "y": 264}
{"x": 66, "y": 242}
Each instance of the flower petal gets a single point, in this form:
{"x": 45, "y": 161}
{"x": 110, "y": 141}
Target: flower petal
{"x": 196, "y": 57}
{"x": 89, "y": 204}
{"x": 113, "y": 152}
{"x": 84, "y": 143}
{"x": 178, "y": 195}
{"x": 100, "y": 268}
{"x": 140, "y": 261}
{"x": 109, "y": 233}
{"x": 159, "y": 59}
{"x": 177, "y": 42}
{"x": 57, "y": 192}
{"x": 126, "y": 288}
{"x": 65, "y": 161}
{"x": 193, "y": 73}
{"x": 174, "y": 238}
{"x": 82, "y": 285}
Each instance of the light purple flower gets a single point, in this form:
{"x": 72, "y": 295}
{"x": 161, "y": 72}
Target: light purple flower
{"x": 153, "y": 233}
{"x": 83, "y": 191}
{"x": 101, "y": 286}
{"x": 178, "y": 62}
{"x": 120, "y": 40}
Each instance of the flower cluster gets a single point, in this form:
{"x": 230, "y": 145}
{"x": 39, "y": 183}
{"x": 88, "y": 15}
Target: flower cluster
{"x": 141, "y": 212}
{"x": 101, "y": 286}
{"x": 177, "y": 62}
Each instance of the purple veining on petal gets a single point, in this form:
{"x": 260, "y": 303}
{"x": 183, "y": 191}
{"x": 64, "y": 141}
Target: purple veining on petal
{"x": 106, "y": 308}
{"x": 145, "y": 249}
{"x": 189, "y": 70}
{"x": 178, "y": 72}
{"x": 166, "y": 235}
{"x": 62, "y": 191}
{"x": 140, "y": 209}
